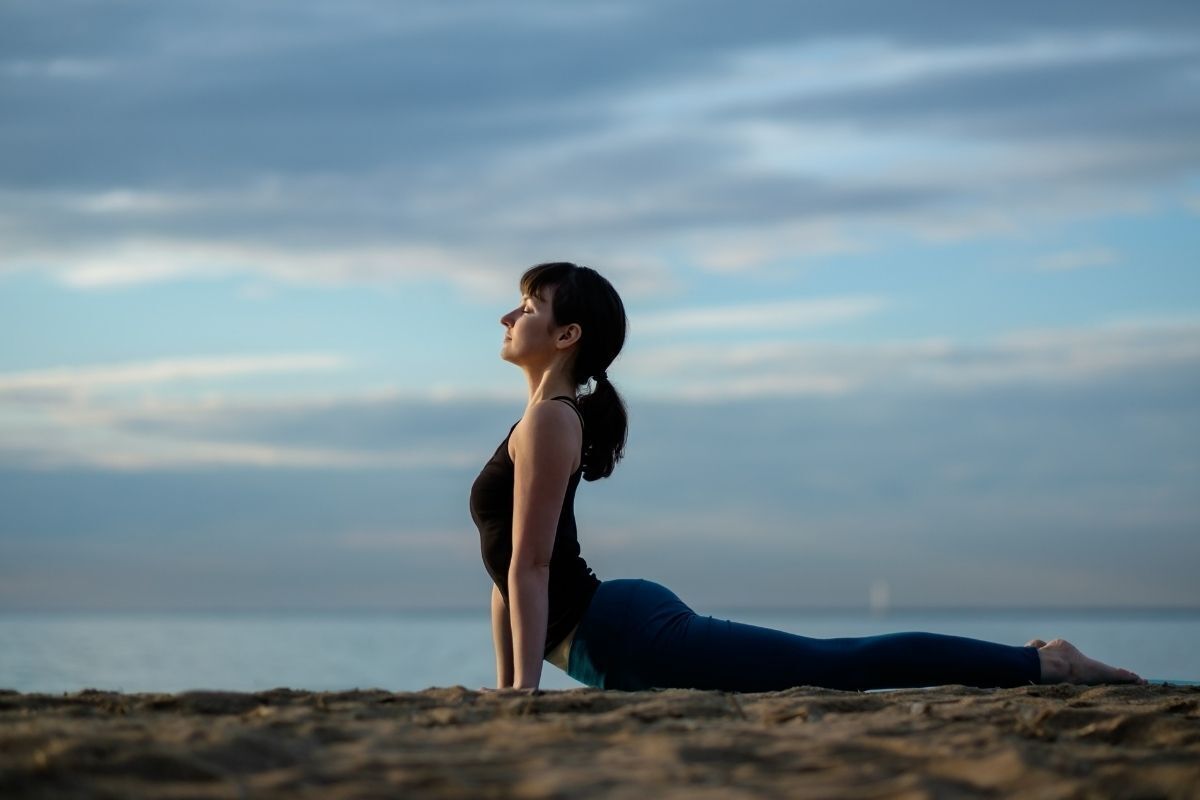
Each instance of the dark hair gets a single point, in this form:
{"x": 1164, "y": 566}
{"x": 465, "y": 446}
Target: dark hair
{"x": 584, "y": 297}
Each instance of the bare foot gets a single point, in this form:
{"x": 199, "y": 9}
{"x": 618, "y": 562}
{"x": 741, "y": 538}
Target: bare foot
{"x": 1062, "y": 662}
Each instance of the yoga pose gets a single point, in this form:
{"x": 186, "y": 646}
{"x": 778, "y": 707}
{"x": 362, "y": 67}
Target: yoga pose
{"x": 634, "y": 633}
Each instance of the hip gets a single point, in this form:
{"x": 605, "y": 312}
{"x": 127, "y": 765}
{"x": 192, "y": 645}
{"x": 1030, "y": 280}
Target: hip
{"x": 628, "y": 618}
{"x": 560, "y": 656}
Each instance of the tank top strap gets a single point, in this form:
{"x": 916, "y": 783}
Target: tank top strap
{"x": 574, "y": 405}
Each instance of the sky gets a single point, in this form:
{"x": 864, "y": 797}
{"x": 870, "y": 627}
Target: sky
{"x": 912, "y": 288}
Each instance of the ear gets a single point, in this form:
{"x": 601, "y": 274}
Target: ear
{"x": 569, "y": 335}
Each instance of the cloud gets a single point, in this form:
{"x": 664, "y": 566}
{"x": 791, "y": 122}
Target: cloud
{"x": 60, "y": 446}
{"x": 358, "y": 151}
{"x": 55, "y": 419}
{"x": 78, "y": 379}
{"x": 786, "y": 314}
{"x": 715, "y": 371}
{"x": 146, "y": 262}
{"x": 73, "y": 69}
{"x": 63, "y": 416}
{"x": 99, "y": 416}
{"x": 1078, "y": 259}
{"x": 842, "y": 68}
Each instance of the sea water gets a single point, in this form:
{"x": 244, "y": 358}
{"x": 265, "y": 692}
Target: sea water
{"x": 410, "y": 651}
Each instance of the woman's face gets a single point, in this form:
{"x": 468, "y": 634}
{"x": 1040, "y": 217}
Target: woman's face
{"x": 529, "y": 330}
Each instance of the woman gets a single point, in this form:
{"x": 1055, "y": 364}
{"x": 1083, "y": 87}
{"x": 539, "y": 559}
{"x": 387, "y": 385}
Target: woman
{"x": 634, "y": 633}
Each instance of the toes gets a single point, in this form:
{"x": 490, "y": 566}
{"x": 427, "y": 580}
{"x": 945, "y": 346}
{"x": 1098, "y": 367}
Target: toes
{"x": 1133, "y": 677}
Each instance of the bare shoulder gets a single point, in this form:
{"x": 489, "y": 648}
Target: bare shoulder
{"x": 550, "y": 431}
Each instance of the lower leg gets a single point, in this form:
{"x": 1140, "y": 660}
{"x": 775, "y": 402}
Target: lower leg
{"x": 708, "y": 653}
{"x": 917, "y": 658}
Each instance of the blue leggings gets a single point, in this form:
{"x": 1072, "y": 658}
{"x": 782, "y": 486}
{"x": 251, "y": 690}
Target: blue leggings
{"x": 636, "y": 634}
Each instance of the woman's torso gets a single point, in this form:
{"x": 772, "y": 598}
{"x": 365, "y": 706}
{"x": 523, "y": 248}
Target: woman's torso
{"x": 572, "y": 583}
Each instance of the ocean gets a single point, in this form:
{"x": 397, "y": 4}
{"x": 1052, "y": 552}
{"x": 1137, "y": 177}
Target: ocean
{"x": 409, "y": 651}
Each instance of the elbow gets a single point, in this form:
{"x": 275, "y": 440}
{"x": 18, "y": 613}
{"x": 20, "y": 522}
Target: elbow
{"x": 525, "y": 561}
{"x": 528, "y": 584}
{"x": 521, "y": 571}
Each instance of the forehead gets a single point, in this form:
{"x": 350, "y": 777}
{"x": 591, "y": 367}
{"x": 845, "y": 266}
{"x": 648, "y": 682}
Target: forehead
{"x": 535, "y": 298}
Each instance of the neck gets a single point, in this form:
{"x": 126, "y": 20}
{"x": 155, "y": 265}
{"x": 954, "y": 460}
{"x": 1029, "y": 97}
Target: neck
{"x": 551, "y": 382}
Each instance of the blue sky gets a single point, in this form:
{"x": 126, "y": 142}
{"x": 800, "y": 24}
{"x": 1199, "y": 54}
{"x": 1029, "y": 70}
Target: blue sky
{"x": 912, "y": 291}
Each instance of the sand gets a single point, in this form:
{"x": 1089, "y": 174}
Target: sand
{"x": 1057, "y": 741}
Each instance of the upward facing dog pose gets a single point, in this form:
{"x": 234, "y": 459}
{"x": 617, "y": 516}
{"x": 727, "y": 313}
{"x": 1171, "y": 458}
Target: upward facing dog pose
{"x": 632, "y": 633}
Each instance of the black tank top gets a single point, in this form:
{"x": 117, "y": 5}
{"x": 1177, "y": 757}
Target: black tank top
{"x": 572, "y": 582}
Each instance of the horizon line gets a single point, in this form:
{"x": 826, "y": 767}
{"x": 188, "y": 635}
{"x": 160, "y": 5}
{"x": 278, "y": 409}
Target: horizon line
{"x": 758, "y": 609}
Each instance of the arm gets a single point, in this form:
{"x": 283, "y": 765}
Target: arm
{"x": 502, "y": 639}
{"x": 544, "y": 446}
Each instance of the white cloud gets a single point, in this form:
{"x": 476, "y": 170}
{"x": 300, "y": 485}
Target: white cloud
{"x": 765, "y": 74}
{"x": 134, "y": 201}
{"x": 784, "y": 367}
{"x": 146, "y": 261}
{"x": 63, "y": 68}
{"x": 55, "y": 445}
{"x": 1078, "y": 259}
{"x": 71, "y": 416}
{"x": 749, "y": 247}
{"x": 788, "y": 314}
{"x": 741, "y": 388}
{"x": 76, "y": 379}
{"x": 61, "y": 417}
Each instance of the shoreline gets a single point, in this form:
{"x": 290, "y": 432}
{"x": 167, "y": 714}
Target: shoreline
{"x": 1050, "y": 741}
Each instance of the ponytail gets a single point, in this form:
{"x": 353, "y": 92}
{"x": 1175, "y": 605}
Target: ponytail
{"x": 606, "y": 427}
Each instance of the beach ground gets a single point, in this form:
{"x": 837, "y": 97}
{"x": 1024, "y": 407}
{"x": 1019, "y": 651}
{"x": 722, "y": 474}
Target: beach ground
{"x": 1059, "y": 741}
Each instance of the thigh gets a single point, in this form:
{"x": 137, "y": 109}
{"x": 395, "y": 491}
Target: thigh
{"x": 668, "y": 645}
{"x": 690, "y": 651}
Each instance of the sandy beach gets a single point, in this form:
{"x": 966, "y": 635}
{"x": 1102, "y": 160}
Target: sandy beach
{"x": 1058, "y": 741}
